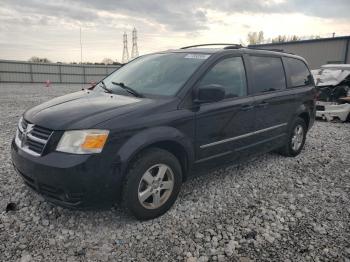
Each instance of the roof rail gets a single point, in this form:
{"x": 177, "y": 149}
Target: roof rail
{"x": 227, "y": 46}
{"x": 270, "y": 49}
{"x": 235, "y": 46}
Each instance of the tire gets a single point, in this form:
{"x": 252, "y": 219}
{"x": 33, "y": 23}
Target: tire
{"x": 145, "y": 194}
{"x": 294, "y": 146}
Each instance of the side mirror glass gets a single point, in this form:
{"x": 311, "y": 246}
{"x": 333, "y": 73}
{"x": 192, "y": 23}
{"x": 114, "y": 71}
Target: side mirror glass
{"x": 209, "y": 93}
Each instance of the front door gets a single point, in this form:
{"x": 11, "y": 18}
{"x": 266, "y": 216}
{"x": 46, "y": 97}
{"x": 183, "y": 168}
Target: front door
{"x": 221, "y": 127}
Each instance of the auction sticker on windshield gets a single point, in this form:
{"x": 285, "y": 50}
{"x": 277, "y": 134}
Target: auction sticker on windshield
{"x": 197, "y": 56}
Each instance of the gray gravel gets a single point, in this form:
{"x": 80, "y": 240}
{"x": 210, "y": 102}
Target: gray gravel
{"x": 270, "y": 209}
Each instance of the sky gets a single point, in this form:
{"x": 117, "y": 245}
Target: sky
{"x": 50, "y": 28}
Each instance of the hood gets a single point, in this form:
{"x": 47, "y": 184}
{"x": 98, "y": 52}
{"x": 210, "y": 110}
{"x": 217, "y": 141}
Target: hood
{"x": 330, "y": 77}
{"x": 83, "y": 109}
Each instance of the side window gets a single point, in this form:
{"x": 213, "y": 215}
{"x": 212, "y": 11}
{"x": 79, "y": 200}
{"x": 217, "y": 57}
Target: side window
{"x": 297, "y": 71}
{"x": 268, "y": 74}
{"x": 230, "y": 74}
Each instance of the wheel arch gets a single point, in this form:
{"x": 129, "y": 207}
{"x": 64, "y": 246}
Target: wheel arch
{"x": 306, "y": 117}
{"x": 167, "y": 138}
{"x": 304, "y": 113}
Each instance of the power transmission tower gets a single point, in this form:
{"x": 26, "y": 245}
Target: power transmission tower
{"x": 125, "y": 58}
{"x": 134, "y": 50}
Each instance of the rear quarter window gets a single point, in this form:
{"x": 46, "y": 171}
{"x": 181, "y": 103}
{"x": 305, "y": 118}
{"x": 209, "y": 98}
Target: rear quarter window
{"x": 299, "y": 74}
{"x": 268, "y": 74}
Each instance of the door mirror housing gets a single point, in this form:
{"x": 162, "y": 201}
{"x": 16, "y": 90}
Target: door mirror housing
{"x": 209, "y": 93}
{"x": 92, "y": 85}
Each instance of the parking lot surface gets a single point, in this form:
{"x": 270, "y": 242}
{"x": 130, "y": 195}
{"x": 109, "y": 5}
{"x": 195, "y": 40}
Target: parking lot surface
{"x": 270, "y": 209}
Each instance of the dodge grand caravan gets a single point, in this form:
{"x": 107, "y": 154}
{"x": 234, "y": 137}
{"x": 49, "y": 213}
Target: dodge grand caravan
{"x": 140, "y": 132}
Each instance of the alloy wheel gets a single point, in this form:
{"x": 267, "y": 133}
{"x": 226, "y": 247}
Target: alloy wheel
{"x": 298, "y": 137}
{"x": 156, "y": 186}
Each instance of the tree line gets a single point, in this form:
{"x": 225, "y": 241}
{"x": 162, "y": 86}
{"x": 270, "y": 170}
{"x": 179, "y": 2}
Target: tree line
{"x": 105, "y": 61}
{"x": 254, "y": 38}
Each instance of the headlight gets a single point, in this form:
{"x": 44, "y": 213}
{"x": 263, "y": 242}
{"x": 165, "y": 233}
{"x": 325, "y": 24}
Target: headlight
{"x": 83, "y": 141}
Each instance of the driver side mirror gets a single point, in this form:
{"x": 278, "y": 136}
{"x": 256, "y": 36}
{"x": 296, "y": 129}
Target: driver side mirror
{"x": 92, "y": 85}
{"x": 209, "y": 93}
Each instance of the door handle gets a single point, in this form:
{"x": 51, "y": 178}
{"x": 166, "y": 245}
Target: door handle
{"x": 263, "y": 104}
{"x": 247, "y": 107}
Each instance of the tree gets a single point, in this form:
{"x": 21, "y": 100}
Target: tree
{"x": 107, "y": 61}
{"x": 285, "y": 38}
{"x": 255, "y": 38}
{"x": 36, "y": 59}
{"x": 279, "y": 39}
{"x": 294, "y": 38}
{"x": 314, "y": 37}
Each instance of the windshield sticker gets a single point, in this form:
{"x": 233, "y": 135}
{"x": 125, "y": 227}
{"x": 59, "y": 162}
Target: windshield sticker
{"x": 197, "y": 56}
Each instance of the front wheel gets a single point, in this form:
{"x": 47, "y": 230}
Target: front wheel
{"x": 296, "y": 138}
{"x": 152, "y": 183}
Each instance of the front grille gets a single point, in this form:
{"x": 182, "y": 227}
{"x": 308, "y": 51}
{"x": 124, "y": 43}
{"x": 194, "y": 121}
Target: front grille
{"x": 41, "y": 132}
{"x": 23, "y": 123}
{"x": 32, "y": 138}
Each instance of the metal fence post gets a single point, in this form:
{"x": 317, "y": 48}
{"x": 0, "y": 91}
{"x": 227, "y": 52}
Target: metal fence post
{"x": 60, "y": 73}
{"x": 84, "y": 77}
{"x": 31, "y": 72}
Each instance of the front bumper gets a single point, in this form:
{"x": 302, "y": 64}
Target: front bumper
{"x": 330, "y": 111}
{"x": 69, "y": 180}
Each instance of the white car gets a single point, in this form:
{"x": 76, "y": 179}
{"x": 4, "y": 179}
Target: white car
{"x": 333, "y": 82}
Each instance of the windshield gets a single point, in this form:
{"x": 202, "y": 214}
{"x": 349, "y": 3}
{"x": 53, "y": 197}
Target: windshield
{"x": 156, "y": 74}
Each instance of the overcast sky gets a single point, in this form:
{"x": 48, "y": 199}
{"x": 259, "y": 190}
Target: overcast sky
{"x": 50, "y": 28}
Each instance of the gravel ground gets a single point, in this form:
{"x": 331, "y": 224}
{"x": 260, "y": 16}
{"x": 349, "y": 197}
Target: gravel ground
{"x": 270, "y": 209}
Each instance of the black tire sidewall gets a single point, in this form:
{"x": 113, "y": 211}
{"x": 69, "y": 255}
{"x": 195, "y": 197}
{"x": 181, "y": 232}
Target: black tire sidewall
{"x": 147, "y": 159}
{"x": 291, "y": 151}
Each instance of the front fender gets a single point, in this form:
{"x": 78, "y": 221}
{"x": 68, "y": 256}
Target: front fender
{"x": 151, "y": 136}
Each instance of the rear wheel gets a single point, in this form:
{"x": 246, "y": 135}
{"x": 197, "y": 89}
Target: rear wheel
{"x": 152, "y": 183}
{"x": 296, "y": 138}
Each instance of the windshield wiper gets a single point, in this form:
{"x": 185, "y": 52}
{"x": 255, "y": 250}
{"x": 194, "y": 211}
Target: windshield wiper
{"x": 128, "y": 89}
{"x": 105, "y": 87}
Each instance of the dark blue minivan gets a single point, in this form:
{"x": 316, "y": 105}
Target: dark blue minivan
{"x": 141, "y": 131}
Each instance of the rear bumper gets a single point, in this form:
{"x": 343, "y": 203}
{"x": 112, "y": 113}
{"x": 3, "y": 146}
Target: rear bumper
{"x": 331, "y": 111}
{"x": 74, "y": 181}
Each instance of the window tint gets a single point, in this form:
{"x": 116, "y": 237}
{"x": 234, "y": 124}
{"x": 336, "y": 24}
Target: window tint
{"x": 156, "y": 74}
{"x": 268, "y": 74}
{"x": 298, "y": 72}
{"x": 230, "y": 74}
